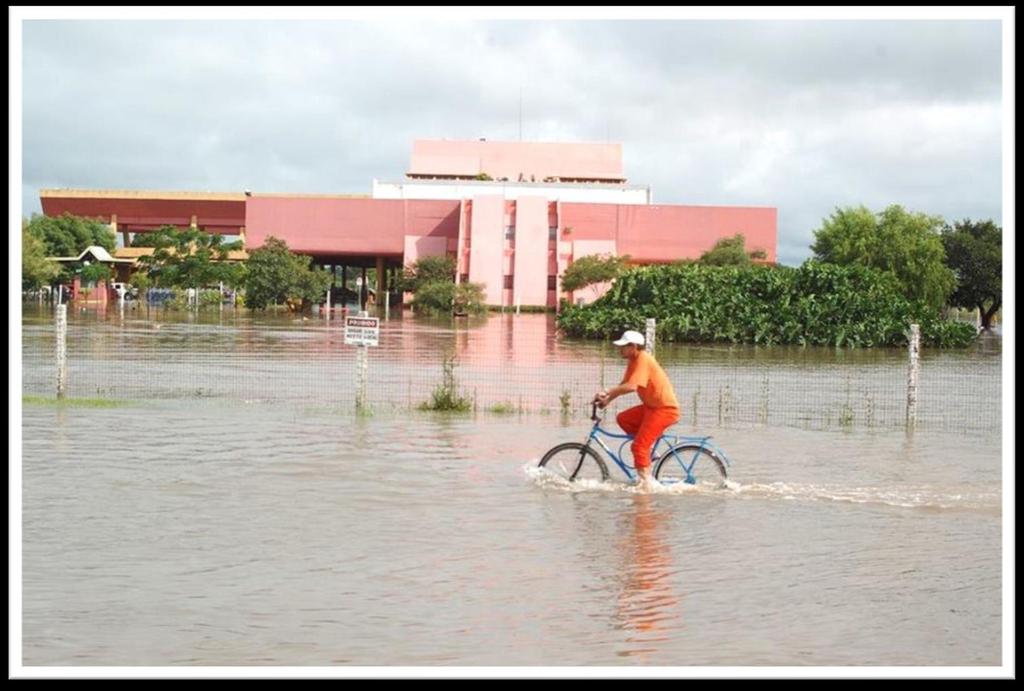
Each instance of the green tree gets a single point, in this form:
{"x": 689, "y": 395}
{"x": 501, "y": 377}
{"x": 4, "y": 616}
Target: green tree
{"x": 36, "y": 269}
{"x": 593, "y": 270}
{"x": 274, "y": 275}
{"x": 436, "y": 269}
{"x": 437, "y": 297}
{"x": 67, "y": 235}
{"x": 432, "y": 282}
{"x": 468, "y": 298}
{"x": 907, "y": 245}
{"x": 731, "y": 252}
{"x": 233, "y": 274}
{"x": 974, "y": 251}
{"x": 141, "y": 281}
{"x": 185, "y": 258}
{"x": 96, "y": 273}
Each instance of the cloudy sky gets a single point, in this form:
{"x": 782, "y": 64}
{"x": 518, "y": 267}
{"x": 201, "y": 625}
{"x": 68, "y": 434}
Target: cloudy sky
{"x": 801, "y": 115}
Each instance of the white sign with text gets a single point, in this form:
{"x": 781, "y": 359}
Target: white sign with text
{"x": 364, "y": 331}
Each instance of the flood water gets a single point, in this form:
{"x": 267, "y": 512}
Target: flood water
{"x": 236, "y": 529}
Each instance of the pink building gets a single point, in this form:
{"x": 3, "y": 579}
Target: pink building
{"x": 513, "y": 214}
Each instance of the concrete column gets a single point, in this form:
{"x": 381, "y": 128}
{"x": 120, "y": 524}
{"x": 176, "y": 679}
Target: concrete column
{"x": 381, "y": 287}
{"x": 113, "y": 229}
{"x": 193, "y": 222}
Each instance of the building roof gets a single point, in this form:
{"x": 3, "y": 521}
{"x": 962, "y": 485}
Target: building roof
{"x": 98, "y": 253}
{"x": 131, "y": 254}
{"x": 517, "y": 161}
{"x": 140, "y": 194}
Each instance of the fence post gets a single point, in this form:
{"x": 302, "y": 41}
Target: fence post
{"x": 913, "y": 369}
{"x": 362, "y": 365}
{"x": 652, "y": 325}
{"x": 62, "y": 350}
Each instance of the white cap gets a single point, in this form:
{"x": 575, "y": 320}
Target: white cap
{"x": 634, "y": 337}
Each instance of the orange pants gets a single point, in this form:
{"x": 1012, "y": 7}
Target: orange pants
{"x": 646, "y": 425}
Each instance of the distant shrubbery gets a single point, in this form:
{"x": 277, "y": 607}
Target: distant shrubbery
{"x": 816, "y": 304}
{"x": 276, "y": 276}
{"x": 432, "y": 282}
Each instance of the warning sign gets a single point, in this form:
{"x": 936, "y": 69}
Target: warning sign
{"x": 363, "y": 331}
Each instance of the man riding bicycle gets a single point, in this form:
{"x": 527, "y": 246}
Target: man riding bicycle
{"x": 659, "y": 408}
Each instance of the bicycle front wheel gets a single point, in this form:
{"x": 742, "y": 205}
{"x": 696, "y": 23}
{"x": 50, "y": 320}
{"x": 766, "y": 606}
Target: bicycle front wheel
{"x": 573, "y": 461}
{"x": 691, "y": 463}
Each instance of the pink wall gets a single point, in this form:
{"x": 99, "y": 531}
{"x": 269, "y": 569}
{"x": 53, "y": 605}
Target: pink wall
{"x": 486, "y": 238}
{"x": 221, "y": 216}
{"x": 509, "y": 159}
{"x": 668, "y": 233}
{"x": 417, "y": 246}
{"x": 531, "y": 252}
{"x": 585, "y": 248}
{"x": 337, "y": 226}
{"x": 409, "y": 229}
{"x": 142, "y": 210}
{"x": 461, "y": 255}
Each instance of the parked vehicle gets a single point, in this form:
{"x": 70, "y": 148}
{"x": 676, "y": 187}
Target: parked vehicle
{"x": 124, "y": 291}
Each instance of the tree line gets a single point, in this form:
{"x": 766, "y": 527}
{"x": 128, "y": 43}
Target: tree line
{"x": 914, "y": 265}
{"x": 180, "y": 259}
{"x": 931, "y": 263}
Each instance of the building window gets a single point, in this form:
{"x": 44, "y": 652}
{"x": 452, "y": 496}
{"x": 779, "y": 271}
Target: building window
{"x": 552, "y": 282}
{"x": 510, "y": 232}
{"x": 552, "y": 232}
{"x": 508, "y": 282}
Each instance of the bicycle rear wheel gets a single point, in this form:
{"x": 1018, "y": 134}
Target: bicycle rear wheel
{"x": 573, "y": 461}
{"x": 705, "y": 467}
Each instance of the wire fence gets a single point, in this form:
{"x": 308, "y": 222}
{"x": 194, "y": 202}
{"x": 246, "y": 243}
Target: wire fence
{"x": 501, "y": 364}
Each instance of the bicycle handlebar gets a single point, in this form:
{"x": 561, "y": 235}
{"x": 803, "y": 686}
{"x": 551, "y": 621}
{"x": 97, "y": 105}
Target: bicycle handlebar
{"x": 593, "y": 413}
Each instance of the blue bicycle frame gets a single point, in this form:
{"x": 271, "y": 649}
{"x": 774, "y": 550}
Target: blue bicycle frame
{"x": 669, "y": 440}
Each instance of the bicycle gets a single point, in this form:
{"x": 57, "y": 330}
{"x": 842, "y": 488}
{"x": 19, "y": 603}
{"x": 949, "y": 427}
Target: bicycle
{"x": 686, "y": 459}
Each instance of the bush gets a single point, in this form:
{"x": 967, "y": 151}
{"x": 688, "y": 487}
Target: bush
{"x": 816, "y": 304}
{"x": 434, "y": 298}
{"x": 446, "y": 396}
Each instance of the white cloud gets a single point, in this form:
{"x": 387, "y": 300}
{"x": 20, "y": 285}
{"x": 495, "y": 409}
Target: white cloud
{"x": 803, "y": 116}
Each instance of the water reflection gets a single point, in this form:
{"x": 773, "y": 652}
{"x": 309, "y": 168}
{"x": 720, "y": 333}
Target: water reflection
{"x": 503, "y": 360}
{"x": 648, "y": 608}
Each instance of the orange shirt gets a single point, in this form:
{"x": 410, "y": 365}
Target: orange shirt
{"x": 653, "y": 386}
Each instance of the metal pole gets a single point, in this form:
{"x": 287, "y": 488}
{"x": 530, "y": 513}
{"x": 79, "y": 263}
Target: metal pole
{"x": 62, "y": 350}
{"x": 651, "y": 332}
{"x": 913, "y": 369}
